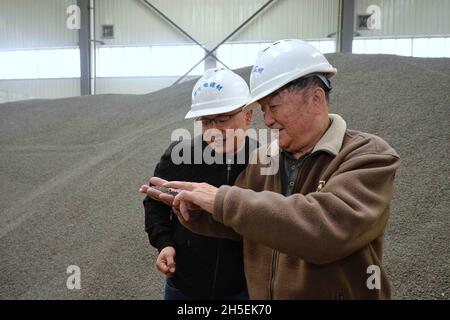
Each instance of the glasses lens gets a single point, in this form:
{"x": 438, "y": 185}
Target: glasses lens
{"x": 220, "y": 120}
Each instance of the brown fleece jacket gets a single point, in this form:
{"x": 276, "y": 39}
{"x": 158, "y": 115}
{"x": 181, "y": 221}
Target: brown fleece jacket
{"x": 323, "y": 241}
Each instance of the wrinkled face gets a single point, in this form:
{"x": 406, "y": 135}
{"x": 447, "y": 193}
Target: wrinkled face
{"x": 292, "y": 112}
{"x": 225, "y": 132}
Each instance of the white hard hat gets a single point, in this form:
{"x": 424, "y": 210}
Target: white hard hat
{"x": 219, "y": 91}
{"x": 282, "y": 62}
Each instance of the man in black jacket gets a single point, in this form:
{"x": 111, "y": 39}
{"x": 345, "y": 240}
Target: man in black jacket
{"x": 196, "y": 266}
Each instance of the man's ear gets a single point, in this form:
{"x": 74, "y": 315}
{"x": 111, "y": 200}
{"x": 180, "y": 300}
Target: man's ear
{"x": 248, "y": 116}
{"x": 319, "y": 99}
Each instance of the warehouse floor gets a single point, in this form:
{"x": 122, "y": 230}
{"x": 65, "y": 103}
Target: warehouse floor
{"x": 70, "y": 170}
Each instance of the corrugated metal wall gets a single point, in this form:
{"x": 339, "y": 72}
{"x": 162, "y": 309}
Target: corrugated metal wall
{"x": 35, "y": 24}
{"x": 210, "y": 21}
{"x": 408, "y": 17}
{"x": 11, "y": 90}
{"x": 134, "y": 24}
{"x": 305, "y": 19}
{"x": 42, "y": 24}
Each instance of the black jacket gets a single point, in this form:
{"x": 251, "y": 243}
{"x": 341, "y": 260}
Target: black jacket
{"x": 206, "y": 267}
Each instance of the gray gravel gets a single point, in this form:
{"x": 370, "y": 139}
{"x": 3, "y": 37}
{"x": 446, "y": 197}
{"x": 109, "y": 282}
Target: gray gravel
{"x": 70, "y": 169}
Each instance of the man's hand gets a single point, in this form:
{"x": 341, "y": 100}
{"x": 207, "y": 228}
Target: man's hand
{"x": 166, "y": 261}
{"x": 156, "y": 194}
{"x": 192, "y": 197}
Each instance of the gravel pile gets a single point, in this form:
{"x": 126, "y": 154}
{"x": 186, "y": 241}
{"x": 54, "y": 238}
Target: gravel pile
{"x": 70, "y": 169}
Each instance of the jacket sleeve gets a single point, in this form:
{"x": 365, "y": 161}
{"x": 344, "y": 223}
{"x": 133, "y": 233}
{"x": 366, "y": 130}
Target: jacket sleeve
{"x": 202, "y": 223}
{"x": 158, "y": 224}
{"x": 350, "y": 211}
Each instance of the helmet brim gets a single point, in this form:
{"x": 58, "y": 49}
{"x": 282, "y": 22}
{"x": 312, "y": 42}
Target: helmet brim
{"x": 213, "y": 111}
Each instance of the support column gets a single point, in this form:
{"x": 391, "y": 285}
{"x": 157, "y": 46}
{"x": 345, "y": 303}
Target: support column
{"x": 84, "y": 44}
{"x": 344, "y": 38}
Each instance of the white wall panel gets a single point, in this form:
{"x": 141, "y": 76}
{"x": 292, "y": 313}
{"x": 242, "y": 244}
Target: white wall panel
{"x": 39, "y": 24}
{"x": 134, "y": 24}
{"x": 304, "y": 19}
{"x": 408, "y": 17}
{"x": 11, "y": 90}
{"x": 35, "y": 24}
{"x": 210, "y": 21}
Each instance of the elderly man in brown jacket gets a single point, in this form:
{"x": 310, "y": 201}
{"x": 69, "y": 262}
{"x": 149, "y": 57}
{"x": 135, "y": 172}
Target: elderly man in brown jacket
{"x": 314, "y": 228}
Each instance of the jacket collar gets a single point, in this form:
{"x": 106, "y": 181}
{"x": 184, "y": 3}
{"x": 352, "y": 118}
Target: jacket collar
{"x": 333, "y": 138}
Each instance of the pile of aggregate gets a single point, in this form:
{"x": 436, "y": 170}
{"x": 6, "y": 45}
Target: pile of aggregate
{"x": 70, "y": 169}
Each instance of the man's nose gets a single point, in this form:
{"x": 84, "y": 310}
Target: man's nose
{"x": 268, "y": 118}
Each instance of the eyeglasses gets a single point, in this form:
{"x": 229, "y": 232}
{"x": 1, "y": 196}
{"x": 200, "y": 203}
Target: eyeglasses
{"x": 220, "y": 121}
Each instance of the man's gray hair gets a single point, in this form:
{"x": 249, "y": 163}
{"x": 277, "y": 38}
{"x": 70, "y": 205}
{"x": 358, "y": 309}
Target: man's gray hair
{"x": 311, "y": 80}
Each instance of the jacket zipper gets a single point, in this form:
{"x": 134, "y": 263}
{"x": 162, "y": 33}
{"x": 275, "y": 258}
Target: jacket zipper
{"x": 275, "y": 255}
{"x": 219, "y": 243}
